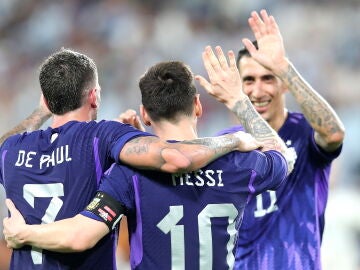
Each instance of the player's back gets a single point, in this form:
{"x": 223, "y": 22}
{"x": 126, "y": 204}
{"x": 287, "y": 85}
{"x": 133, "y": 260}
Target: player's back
{"x": 53, "y": 174}
{"x": 190, "y": 220}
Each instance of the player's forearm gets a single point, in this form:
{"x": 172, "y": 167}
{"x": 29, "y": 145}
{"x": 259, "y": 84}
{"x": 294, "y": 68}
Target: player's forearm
{"x": 152, "y": 153}
{"x": 67, "y": 235}
{"x": 32, "y": 122}
{"x": 320, "y": 115}
{"x": 47, "y": 237}
{"x": 202, "y": 151}
{"x": 254, "y": 124}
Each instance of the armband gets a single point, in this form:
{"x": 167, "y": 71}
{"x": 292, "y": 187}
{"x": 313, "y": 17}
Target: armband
{"x": 107, "y": 208}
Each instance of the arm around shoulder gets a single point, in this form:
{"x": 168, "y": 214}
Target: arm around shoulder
{"x": 185, "y": 156}
{"x": 68, "y": 235}
{"x": 74, "y": 234}
{"x": 81, "y": 233}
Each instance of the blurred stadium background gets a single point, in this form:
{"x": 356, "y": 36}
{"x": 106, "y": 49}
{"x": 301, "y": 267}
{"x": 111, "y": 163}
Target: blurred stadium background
{"x": 125, "y": 37}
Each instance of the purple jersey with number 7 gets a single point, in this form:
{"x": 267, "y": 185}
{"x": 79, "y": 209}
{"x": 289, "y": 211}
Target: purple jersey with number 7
{"x": 53, "y": 174}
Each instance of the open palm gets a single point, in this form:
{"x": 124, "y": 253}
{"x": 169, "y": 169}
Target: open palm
{"x": 271, "y": 52}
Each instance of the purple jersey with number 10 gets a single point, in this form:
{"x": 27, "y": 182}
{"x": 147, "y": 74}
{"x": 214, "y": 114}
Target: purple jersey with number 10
{"x": 53, "y": 174}
{"x": 190, "y": 220}
{"x": 282, "y": 229}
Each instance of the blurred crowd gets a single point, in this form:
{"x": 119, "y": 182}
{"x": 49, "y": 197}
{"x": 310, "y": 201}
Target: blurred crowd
{"x": 125, "y": 37}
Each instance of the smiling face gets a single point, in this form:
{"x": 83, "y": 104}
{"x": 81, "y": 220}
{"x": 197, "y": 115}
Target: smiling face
{"x": 265, "y": 90}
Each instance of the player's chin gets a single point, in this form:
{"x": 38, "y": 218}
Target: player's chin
{"x": 265, "y": 114}
{"x": 263, "y": 111}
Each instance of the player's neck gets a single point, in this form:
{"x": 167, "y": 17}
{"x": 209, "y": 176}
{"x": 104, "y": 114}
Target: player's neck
{"x": 277, "y": 122}
{"x": 81, "y": 115}
{"x": 182, "y": 130}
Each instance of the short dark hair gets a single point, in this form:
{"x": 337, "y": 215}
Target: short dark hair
{"x": 244, "y": 52}
{"x": 65, "y": 77}
{"x": 168, "y": 89}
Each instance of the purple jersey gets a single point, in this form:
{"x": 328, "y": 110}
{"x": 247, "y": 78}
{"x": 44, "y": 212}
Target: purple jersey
{"x": 53, "y": 174}
{"x": 190, "y": 220}
{"x": 282, "y": 229}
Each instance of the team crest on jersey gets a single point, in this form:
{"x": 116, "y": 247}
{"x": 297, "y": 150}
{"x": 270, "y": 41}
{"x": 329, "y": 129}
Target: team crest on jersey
{"x": 94, "y": 203}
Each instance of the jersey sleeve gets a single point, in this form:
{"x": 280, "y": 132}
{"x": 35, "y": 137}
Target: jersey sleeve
{"x": 114, "y": 197}
{"x": 116, "y": 135}
{"x": 230, "y": 130}
{"x": 321, "y": 155}
{"x": 270, "y": 173}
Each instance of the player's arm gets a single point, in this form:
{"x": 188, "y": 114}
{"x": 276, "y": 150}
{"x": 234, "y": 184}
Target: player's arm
{"x": 329, "y": 130}
{"x": 32, "y": 122}
{"x": 68, "y": 235}
{"x": 225, "y": 85}
{"x": 152, "y": 153}
{"x": 187, "y": 156}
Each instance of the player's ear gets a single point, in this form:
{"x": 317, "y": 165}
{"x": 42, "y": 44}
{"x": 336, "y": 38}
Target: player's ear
{"x": 198, "y": 106}
{"x": 44, "y": 101}
{"x": 144, "y": 116}
{"x": 93, "y": 98}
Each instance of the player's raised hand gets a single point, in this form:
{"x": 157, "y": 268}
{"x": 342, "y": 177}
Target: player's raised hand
{"x": 130, "y": 117}
{"x": 12, "y": 226}
{"x": 271, "y": 53}
{"x": 224, "y": 80}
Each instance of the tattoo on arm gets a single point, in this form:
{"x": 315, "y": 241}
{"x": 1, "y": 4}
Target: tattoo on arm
{"x": 254, "y": 124}
{"x": 32, "y": 122}
{"x": 152, "y": 153}
{"x": 261, "y": 130}
{"x": 219, "y": 145}
{"x": 252, "y": 121}
{"x": 139, "y": 145}
{"x": 316, "y": 109}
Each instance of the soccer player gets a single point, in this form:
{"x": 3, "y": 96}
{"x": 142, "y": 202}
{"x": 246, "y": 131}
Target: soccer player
{"x": 283, "y": 229}
{"x": 180, "y": 220}
{"x": 54, "y": 173}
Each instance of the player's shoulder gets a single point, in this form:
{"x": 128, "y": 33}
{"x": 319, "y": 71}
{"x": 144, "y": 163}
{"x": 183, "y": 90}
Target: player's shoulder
{"x": 265, "y": 165}
{"x": 112, "y": 125}
{"x": 296, "y": 127}
{"x": 89, "y": 124}
{"x": 9, "y": 142}
{"x": 101, "y": 126}
{"x": 27, "y": 136}
{"x": 230, "y": 130}
{"x": 250, "y": 160}
{"x": 296, "y": 119}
